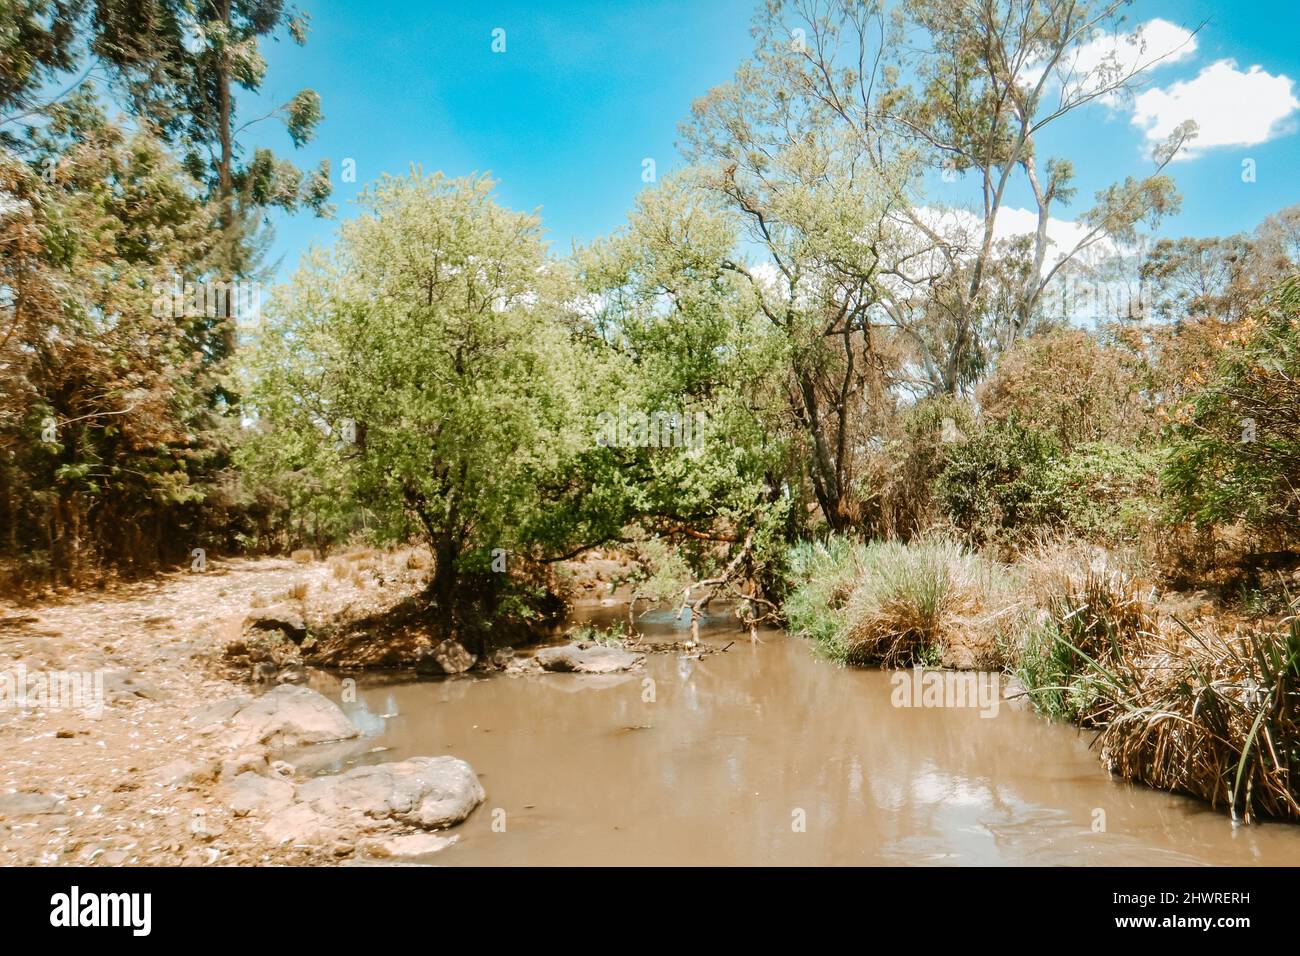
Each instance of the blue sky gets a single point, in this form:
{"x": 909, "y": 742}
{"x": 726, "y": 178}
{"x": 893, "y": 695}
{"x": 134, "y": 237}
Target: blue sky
{"x": 586, "y": 90}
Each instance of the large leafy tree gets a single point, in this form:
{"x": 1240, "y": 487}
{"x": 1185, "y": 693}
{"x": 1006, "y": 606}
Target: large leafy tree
{"x": 103, "y": 396}
{"x": 1236, "y": 441}
{"x": 683, "y": 341}
{"x": 426, "y": 362}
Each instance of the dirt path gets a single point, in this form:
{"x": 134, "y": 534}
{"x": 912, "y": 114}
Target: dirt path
{"x": 115, "y": 787}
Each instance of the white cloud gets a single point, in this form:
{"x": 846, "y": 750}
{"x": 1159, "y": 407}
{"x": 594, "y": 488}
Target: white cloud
{"x": 1106, "y": 58}
{"x": 1231, "y": 108}
{"x": 966, "y": 229}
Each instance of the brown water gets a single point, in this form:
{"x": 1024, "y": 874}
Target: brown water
{"x": 738, "y": 747}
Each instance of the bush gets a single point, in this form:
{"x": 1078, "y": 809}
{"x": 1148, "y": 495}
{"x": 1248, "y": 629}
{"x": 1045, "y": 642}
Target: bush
{"x": 1217, "y": 717}
{"x": 896, "y": 487}
{"x": 1236, "y": 443}
{"x": 1107, "y": 493}
{"x": 1092, "y": 615}
{"x": 821, "y": 577}
{"x": 998, "y": 481}
{"x": 1069, "y": 385}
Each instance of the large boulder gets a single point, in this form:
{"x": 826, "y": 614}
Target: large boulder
{"x": 286, "y": 716}
{"x": 426, "y": 792}
{"x": 253, "y": 793}
{"x": 597, "y": 659}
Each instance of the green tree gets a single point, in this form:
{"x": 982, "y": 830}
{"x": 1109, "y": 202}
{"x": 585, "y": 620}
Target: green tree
{"x": 1236, "y": 442}
{"x": 426, "y": 360}
{"x": 103, "y": 417}
{"x": 684, "y": 343}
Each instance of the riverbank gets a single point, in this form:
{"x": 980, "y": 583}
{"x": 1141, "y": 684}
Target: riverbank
{"x": 1184, "y": 693}
{"x": 136, "y": 770}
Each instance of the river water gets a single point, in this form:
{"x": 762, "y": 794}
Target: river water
{"x": 767, "y": 754}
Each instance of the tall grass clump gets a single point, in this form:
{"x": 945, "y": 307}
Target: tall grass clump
{"x": 897, "y": 605}
{"x": 1214, "y": 716}
{"x": 1090, "y": 619}
{"x": 821, "y": 576}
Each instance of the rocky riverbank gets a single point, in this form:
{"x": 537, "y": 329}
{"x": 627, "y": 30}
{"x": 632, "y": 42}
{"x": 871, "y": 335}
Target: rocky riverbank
{"x": 169, "y": 759}
{"x": 189, "y": 756}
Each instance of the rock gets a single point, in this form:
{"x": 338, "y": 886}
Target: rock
{"x": 280, "y": 618}
{"x": 410, "y": 844}
{"x": 299, "y": 823}
{"x": 426, "y": 792}
{"x": 567, "y": 658}
{"x": 252, "y": 793}
{"x": 212, "y": 715}
{"x": 248, "y": 761}
{"x": 290, "y": 716}
{"x": 27, "y": 804}
{"x": 186, "y": 773}
{"x": 447, "y": 657}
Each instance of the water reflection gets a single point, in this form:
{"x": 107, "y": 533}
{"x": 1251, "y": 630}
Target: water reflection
{"x": 736, "y": 749}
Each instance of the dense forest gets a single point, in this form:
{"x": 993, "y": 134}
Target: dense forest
{"x": 809, "y": 372}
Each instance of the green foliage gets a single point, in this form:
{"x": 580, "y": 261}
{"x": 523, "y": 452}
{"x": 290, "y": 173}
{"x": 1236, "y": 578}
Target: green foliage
{"x": 1089, "y": 623}
{"x": 998, "y": 481}
{"x": 1106, "y": 493}
{"x": 1236, "y": 444}
{"x": 821, "y": 576}
{"x": 1071, "y": 385}
{"x": 894, "y": 604}
{"x": 895, "y": 484}
{"x": 423, "y": 371}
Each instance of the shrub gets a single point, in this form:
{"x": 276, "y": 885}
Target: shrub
{"x": 897, "y": 604}
{"x": 1069, "y": 385}
{"x": 896, "y": 487}
{"x": 998, "y": 481}
{"x": 821, "y": 576}
{"x": 1236, "y": 443}
{"x": 1092, "y": 614}
{"x": 1105, "y": 492}
{"x": 1217, "y": 717}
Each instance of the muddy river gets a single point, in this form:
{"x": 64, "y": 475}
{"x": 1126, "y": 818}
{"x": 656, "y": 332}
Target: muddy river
{"x": 766, "y": 754}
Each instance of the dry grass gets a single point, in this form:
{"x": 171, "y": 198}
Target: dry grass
{"x": 896, "y": 605}
{"x": 1214, "y": 716}
{"x": 1090, "y": 613}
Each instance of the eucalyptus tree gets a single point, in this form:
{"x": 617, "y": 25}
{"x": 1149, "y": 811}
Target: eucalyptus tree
{"x": 815, "y": 252}
{"x": 966, "y": 88}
